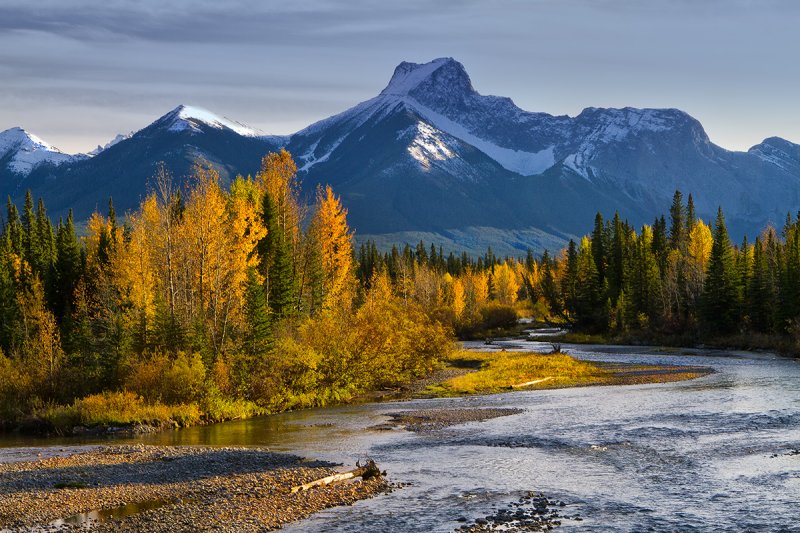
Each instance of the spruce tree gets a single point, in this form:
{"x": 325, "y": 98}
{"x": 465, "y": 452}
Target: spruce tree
{"x": 719, "y": 301}
{"x": 258, "y": 337}
{"x": 691, "y": 216}
{"x": 68, "y": 266}
{"x": 677, "y": 229}
{"x": 759, "y": 298}
{"x": 277, "y": 254}
{"x": 599, "y": 247}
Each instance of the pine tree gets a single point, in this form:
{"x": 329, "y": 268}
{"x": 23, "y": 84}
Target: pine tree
{"x": 720, "y": 303}
{"x": 258, "y": 336}
{"x": 677, "y": 230}
{"x": 691, "y": 217}
{"x": 760, "y": 301}
{"x": 569, "y": 282}
{"x": 68, "y": 268}
{"x": 276, "y": 252}
{"x": 599, "y": 247}
{"x": 588, "y": 296}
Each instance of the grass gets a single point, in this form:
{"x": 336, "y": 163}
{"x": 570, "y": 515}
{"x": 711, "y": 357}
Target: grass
{"x": 503, "y": 371}
{"x": 493, "y": 372}
{"x": 117, "y": 409}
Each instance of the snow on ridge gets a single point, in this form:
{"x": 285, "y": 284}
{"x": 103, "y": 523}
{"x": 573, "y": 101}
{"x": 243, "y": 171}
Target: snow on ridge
{"x": 28, "y": 151}
{"x": 407, "y": 76}
{"x": 186, "y": 117}
{"x": 519, "y": 161}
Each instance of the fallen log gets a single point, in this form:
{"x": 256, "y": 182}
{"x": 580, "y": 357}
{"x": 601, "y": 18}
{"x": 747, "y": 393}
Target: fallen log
{"x": 529, "y": 383}
{"x": 365, "y": 472}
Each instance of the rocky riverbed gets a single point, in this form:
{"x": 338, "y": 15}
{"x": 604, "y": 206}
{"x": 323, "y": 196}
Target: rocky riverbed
{"x": 161, "y": 488}
{"x": 429, "y": 420}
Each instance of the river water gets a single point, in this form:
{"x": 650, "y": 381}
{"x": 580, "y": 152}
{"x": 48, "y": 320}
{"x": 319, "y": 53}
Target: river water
{"x": 711, "y": 454}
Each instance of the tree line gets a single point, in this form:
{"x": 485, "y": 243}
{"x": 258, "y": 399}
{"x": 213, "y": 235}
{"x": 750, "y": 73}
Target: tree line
{"x": 678, "y": 276}
{"x": 244, "y": 299}
{"x": 237, "y": 300}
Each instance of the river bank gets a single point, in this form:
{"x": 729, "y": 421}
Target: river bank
{"x": 167, "y": 488}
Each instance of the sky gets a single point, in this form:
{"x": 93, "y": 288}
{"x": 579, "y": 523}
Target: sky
{"x": 76, "y": 73}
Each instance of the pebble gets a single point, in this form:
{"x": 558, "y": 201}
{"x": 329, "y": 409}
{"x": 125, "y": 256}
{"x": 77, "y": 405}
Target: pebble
{"x": 225, "y": 489}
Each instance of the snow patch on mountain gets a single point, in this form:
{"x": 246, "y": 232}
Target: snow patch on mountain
{"x": 28, "y": 151}
{"x": 599, "y": 127}
{"x": 519, "y": 161}
{"x": 779, "y": 152}
{"x": 189, "y": 118}
{"x": 311, "y": 160}
{"x": 427, "y": 145}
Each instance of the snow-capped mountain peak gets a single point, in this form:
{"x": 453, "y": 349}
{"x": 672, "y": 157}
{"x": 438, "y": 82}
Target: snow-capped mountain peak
{"x": 25, "y": 151}
{"x": 409, "y": 77}
{"x": 190, "y": 118}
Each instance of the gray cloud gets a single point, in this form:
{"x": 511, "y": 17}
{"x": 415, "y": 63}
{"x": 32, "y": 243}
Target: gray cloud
{"x": 78, "y": 72}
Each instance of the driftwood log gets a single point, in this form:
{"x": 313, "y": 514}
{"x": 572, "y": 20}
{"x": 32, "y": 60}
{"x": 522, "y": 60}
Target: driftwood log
{"x": 367, "y": 471}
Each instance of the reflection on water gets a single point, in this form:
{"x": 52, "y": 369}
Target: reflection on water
{"x": 86, "y": 520}
{"x": 709, "y": 454}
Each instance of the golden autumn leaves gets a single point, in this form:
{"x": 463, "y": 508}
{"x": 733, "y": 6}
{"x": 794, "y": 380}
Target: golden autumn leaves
{"x": 185, "y": 254}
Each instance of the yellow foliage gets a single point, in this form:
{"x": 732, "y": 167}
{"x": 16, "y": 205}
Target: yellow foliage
{"x": 506, "y": 285}
{"x": 336, "y": 251}
{"x": 700, "y": 242}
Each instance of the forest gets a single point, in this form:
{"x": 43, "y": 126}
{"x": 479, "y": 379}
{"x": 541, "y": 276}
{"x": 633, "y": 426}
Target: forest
{"x": 211, "y": 303}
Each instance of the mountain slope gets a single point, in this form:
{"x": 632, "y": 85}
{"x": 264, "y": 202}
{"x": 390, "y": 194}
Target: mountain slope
{"x": 479, "y": 160}
{"x": 124, "y": 169}
{"x": 430, "y": 157}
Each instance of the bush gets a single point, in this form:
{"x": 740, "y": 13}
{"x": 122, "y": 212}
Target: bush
{"x": 496, "y": 315}
{"x": 172, "y": 381}
{"x": 117, "y": 409}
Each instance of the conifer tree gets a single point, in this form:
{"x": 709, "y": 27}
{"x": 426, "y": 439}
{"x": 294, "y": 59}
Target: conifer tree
{"x": 719, "y": 302}
{"x": 599, "y": 247}
{"x": 276, "y": 252}
{"x": 258, "y": 335}
{"x": 691, "y": 217}
{"x": 68, "y": 268}
{"x": 677, "y": 230}
{"x": 760, "y": 301}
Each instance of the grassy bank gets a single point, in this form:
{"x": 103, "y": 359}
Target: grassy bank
{"x": 126, "y": 411}
{"x": 493, "y": 372}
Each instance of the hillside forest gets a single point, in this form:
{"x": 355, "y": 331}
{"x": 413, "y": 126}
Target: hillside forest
{"x": 210, "y": 303}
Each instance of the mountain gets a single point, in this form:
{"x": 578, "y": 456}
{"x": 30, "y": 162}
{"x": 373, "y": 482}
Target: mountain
{"x": 21, "y": 152}
{"x": 123, "y": 169}
{"x": 430, "y": 155}
{"x": 431, "y": 158}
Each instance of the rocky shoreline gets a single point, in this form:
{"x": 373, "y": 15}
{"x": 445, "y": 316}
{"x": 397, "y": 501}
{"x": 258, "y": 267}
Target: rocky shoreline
{"x": 431, "y": 420}
{"x": 166, "y": 488}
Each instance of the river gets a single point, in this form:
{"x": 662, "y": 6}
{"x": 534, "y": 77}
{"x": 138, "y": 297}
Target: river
{"x": 719, "y": 453}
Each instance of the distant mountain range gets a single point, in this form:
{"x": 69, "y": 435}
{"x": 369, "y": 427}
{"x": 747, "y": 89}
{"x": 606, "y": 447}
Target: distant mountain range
{"x": 431, "y": 158}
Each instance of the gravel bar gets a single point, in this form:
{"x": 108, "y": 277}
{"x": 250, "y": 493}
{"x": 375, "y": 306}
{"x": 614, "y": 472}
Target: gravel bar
{"x": 429, "y": 420}
{"x": 175, "y": 488}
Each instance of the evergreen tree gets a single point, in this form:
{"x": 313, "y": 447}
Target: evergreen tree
{"x": 720, "y": 303}
{"x": 691, "y": 217}
{"x": 616, "y": 258}
{"x": 278, "y": 255}
{"x": 569, "y": 282}
{"x": 760, "y": 301}
{"x": 258, "y": 337}
{"x": 599, "y": 248}
{"x": 68, "y": 266}
{"x": 677, "y": 229}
